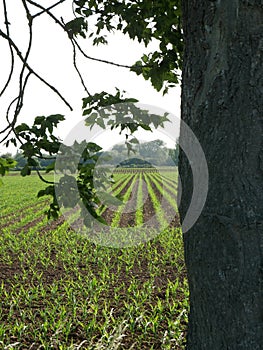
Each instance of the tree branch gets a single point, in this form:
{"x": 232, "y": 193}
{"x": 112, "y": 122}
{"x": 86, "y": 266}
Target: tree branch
{"x": 77, "y": 70}
{"x": 11, "y": 51}
{"x": 47, "y": 9}
{"x": 22, "y": 85}
{"x": 98, "y": 59}
{"x": 62, "y": 25}
{"x": 31, "y": 70}
{"x": 43, "y": 179}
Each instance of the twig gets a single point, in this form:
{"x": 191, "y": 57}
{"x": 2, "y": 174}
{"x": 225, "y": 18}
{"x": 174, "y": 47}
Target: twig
{"x": 44, "y": 180}
{"x": 77, "y": 70}
{"x": 7, "y": 135}
{"x": 47, "y": 9}
{"x": 100, "y": 60}
{"x": 19, "y": 106}
{"x": 22, "y": 85}
{"x": 62, "y": 25}
{"x": 31, "y": 70}
{"x": 11, "y": 51}
{"x": 11, "y": 124}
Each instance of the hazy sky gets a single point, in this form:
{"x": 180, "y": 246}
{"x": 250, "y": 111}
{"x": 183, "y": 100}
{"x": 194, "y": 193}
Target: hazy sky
{"x": 51, "y": 57}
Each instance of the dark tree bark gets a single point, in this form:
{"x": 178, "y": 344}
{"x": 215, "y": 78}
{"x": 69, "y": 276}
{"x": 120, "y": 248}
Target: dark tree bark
{"x": 222, "y": 104}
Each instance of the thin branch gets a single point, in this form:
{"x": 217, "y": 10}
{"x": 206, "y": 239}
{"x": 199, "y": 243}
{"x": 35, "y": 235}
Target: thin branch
{"x": 11, "y": 124}
{"x": 100, "y": 60}
{"x": 63, "y": 27}
{"x": 47, "y": 9}
{"x": 76, "y": 67}
{"x": 53, "y": 89}
{"x": 24, "y": 59}
{"x": 22, "y": 81}
{"x": 75, "y": 42}
{"x": 22, "y": 85}
{"x": 19, "y": 106}
{"x": 75, "y": 58}
{"x": 8, "y": 110}
{"x": 44, "y": 180}
{"x": 11, "y": 51}
{"x": 5, "y": 129}
{"x": 7, "y": 135}
{"x": 31, "y": 69}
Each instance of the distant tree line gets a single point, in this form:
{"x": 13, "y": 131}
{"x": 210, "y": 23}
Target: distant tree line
{"x": 21, "y": 161}
{"x": 152, "y": 153}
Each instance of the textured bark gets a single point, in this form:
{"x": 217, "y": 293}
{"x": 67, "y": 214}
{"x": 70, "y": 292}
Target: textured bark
{"x": 222, "y": 103}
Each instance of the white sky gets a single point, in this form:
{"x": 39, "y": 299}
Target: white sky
{"x": 51, "y": 57}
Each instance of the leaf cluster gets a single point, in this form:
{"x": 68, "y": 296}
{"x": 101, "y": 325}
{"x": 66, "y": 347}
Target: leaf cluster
{"x": 5, "y": 165}
{"x": 37, "y": 139}
{"x": 115, "y": 111}
{"x": 145, "y": 21}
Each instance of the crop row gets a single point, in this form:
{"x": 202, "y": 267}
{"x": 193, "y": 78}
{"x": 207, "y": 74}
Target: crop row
{"x": 60, "y": 291}
{"x": 27, "y": 211}
{"x": 142, "y": 194}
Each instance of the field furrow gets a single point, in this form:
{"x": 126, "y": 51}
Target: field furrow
{"x": 126, "y": 197}
{"x": 59, "y": 290}
{"x": 118, "y": 189}
{"x": 155, "y": 196}
{"x": 163, "y": 187}
{"x": 171, "y": 183}
{"x": 141, "y": 198}
{"x": 168, "y": 204}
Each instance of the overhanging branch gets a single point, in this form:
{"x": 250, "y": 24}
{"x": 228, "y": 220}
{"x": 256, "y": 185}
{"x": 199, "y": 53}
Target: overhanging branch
{"x": 31, "y": 70}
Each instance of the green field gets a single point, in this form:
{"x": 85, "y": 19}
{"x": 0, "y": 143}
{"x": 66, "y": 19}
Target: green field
{"x": 61, "y": 291}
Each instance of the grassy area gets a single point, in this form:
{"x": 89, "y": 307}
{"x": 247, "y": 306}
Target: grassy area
{"x": 60, "y": 291}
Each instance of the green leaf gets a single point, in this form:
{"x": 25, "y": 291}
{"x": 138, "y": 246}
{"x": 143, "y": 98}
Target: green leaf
{"x": 54, "y": 119}
{"x": 26, "y": 170}
{"x": 145, "y": 127}
{"x": 6, "y": 164}
{"x": 91, "y": 119}
{"x": 101, "y": 220}
{"x": 77, "y": 26}
{"x": 50, "y": 167}
{"x": 133, "y": 127}
{"x": 39, "y": 120}
{"x": 48, "y": 191}
{"x": 41, "y": 193}
{"x": 32, "y": 162}
{"x": 22, "y": 127}
{"x": 93, "y": 147}
{"x": 101, "y": 123}
{"x": 134, "y": 140}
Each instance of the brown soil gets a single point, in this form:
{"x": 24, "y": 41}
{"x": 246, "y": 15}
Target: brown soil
{"x": 22, "y": 212}
{"x": 109, "y": 214}
{"x": 128, "y": 215}
{"x": 128, "y": 218}
{"x": 140, "y": 271}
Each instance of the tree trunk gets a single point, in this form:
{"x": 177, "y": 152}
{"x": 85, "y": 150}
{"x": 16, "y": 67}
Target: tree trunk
{"x": 222, "y": 104}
